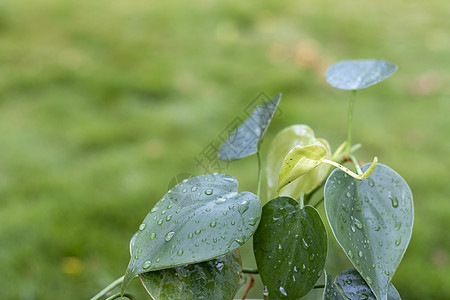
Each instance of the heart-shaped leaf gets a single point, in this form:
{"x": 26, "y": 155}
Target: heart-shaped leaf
{"x": 350, "y": 285}
{"x": 301, "y": 160}
{"x": 372, "y": 221}
{"x": 206, "y": 211}
{"x": 213, "y": 279}
{"x": 246, "y": 139}
{"x": 284, "y": 141}
{"x": 358, "y": 74}
{"x": 290, "y": 248}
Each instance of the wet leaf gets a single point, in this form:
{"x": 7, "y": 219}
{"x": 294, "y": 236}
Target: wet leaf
{"x": 290, "y": 248}
{"x": 284, "y": 141}
{"x": 372, "y": 221}
{"x": 353, "y": 286}
{"x": 206, "y": 211}
{"x": 358, "y": 74}
{"x": 214, "y": 279}
{"x": 246, "y": 139}
{"x": 301, "y": 160}
{"x": 331, "y": 290}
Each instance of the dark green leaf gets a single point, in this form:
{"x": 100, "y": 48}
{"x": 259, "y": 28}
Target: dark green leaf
{"x": 331, "y": 290}
{"x": 199, "y": 219}
{"x": 358, "y": 74}
{"x": 372, "y": 221}
{"x": 214, "y": 279}
{"x": 353, "y": 286}
{"x": 290, "y": 248}
{"x": 247, "y": 137}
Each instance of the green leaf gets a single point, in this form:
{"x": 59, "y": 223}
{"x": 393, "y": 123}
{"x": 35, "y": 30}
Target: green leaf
{"x": 301, "y": 160}
{"x": 358, "y": 74}
{"x": 284, "y": 141}
{"x": 247, "y": 137}
{"x": 204, "y": 210}
{"x": 290, "y": 248}
{"x": 331, "y": 290}
{"x": 214, "y": 279}
{"x": 352, "y": 286}
{"x": 372, "y": 221}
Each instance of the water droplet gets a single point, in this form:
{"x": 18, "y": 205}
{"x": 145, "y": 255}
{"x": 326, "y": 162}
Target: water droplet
{"x": 358, "y": 224}
{"x": 353, "y": 228}
{"x": 146, "y": 264}
{"x": 371, "y": 182}
{"x": 160, "y": 221}
{"x": 282, "y": 291}
{"x": 180, "y": 252}
{"x": 280, "y": 249}
{"x": 368, "y": 280}
{"x": 380, "y": 243}
{"x": 350, "y": 253}
{"x": 172, "y": 246}
{"x": 344, "y": 208}
{"x": 398, "y": 242}
{"x": 168, "y": 218}
{"x": 349, "y": 281}
{"x": 364, "y": 296}
{"x": 193, "y": 189}
{"x": 152, "y": 235}
{"x": 253, "y": 221}
{"x": 394, "y": 202}
{"x": 386, "y": 272}
{"x": 233, "y": 222}
{"x": 169, "y": 236}
{"x": 311, "y": 257}
{"x": 305, "y": 244}
{"x": 198, "y": 231}
{"x": 154, "y": 209}
{"x": 208, "y": 191}
{"x": 142, "y": 226}
{"x": 360, "y": 253}
{"x": 213, "y": 224}
{"x": 190, "y": 235}
{"x": 163, "y": 212}
{"x": 348, "y": 194}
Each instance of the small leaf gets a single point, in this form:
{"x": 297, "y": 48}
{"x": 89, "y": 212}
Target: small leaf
{"x": 247, "y": 137}
{"x": 290, "y": 248}
{"x": 331, "y": 290}
{"x": 372, "y": 221}
{"x": 301, "y": 160}
{"x": 213, "y": 279}
{"x": 353, "y": 286}
{"x": 284, "y": 141}
{"x": 358, "y": 74}
{"x": 204, "y": 210}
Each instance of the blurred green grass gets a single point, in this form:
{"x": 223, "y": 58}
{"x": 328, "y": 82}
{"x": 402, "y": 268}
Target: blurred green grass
{"x": 103, "y": 102}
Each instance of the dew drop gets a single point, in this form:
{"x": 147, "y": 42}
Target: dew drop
{"x": 368, "y": 280}
{"x": 146, "y": 264}
{"x": 348, "y": 194}
{"x": 160, "y": 221}
{"x": 358, "y": 224}
{"x": 282, "y": 291}
{"x": 142, "y": 226}
{"x": 394, "y": 202}
{"x": 168, "y": 218}
{"x": 152, "y": 235}
{"x": 180, "y": 252}
{"x": 233, "y": 222}
{"x": 350, "y": 253}
{"x": 386, "y": 272}
{"x": 163, "y": 212}
{"x": 305, "y": 244}
{"x": 311, "y": 257}
{"x": 169, "y": 236}
{"x": 190, "y": 235}
{"x": 360, "y": 253}
{"x": 344, "y": 208}
{"x": 198, "y": 231}
{"x": 193, "y": 189}
{"x": 213, "y": 224}
{"x": 353, "y": 228}
{"x": 398, "y": 242}
{"x": 208, "y": 192}
{"x": 349, "y": 281}
{"x": 253, "y": 221}
{"x": 280, "y": 249}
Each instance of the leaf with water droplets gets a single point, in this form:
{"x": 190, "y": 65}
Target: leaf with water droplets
{"x": 372, "y": 220}
{"x": 284, "y": 141}
{"x": 331, "y": 291}
{"x": 213, "y": 279}
{"x": 300, "y": 161}
{"x": 206, "y": 222}
{"x": 352, "y": 286}
{"x": 290, "y": 248}
{"x": 358, "y": 74}
{"x": 246, "y": 139}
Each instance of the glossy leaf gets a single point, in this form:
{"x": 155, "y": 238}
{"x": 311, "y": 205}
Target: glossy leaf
{"x": 246, "y": 139}
{"x": 353, "y": 286}
{"x": 214, "y": 279}
{"x": 372, "y": 221}
{"x": 358, "y": 74}
{"x": 290, "y": 248}
{"x": 331, "y": 290}
{"x": 204, "y": 210}
{"x": 284, "y": 141}
{"x": 301, "y": 160}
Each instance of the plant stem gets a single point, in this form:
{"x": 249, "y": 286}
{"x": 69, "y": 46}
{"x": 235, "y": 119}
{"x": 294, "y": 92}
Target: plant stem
{"x": 355, "y": 163}
{"x": 116, "y": 296}
{"x": 349, "y": 121}
{"x": 319, "y": 286}
{"x": 108, "y": 288}
{"x": 258, "y": 190}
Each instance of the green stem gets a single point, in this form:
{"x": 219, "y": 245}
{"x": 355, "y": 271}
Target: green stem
{"x": 355, "y": 163}
{"x": 258, "y": 190}
{"x": 318, "y": 202}
{"x": 108, "y": 288}
{"x": 118, "y": 295}
{"x": 349, "y": 121}
{"x": 319, "y": 286}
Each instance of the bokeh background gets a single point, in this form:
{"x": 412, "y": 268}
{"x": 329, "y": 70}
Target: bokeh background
{"x": 103, "y": 102}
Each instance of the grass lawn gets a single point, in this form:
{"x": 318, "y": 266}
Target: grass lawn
{"x": 103, "y": 102}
